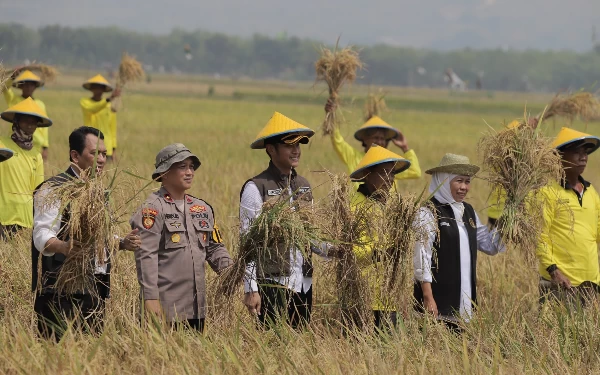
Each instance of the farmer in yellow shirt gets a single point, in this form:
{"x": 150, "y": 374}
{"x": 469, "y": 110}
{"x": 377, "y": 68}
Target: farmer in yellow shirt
{"x": 21, "y": 174}
{"x": 375, "y": 173}
{"x": 97, "y": 111}
{"x": 568, "y": 247}
{"x": 374, "y": 132}
{"x": 28, "y": 82}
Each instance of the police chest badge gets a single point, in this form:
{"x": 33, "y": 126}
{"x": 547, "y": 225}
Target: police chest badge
{"x": 148, "y": 217}
{"x": 175, "y": 238}
{"x": 472, "y": 223}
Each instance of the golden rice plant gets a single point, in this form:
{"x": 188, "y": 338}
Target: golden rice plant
{"x": 580, "y": 104}
{"x": 374, "y": 105}
{"x": 130, "y": 71}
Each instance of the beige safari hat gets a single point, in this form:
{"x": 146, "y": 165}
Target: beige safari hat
{"x": 455, "y": 164}
{"x": 170, "y": 155}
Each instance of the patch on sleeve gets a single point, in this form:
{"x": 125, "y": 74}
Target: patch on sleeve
{"x": 148, "y": 217}
{"x": 216, "y": 235}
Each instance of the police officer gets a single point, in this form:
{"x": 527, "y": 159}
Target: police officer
{"x": 178, "y": 234}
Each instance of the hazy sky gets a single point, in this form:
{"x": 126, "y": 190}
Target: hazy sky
{"x": 439, "y": 24}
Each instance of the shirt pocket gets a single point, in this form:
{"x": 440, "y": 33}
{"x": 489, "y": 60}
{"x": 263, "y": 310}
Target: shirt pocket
{"x": 175, "y": 236}
{"x": 203, "y": 230}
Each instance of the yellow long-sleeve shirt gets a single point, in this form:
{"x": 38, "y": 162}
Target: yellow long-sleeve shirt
{"x": 571, "y": 233}
{"x": 371, "y": 270}
{"x": 352, "y": 157}
{"x": 40, "y": 136}
{"x": 98, "y": 114}
{"x": 19, "y": 176}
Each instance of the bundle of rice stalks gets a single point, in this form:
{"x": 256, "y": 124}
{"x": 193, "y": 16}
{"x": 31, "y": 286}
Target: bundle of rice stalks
{"x": 48, "y": 73}
{"x": 347, "y": 227}
{"x": 278, "y": 228}
{"x": 335, "y": 68}
{"x": 130, "y": 71}
{"x": 518, "y": 162}
{"x": 398, "y": 232}
{"x": 3, "y": 78}
{"x": 582, "y": 104}
{"x": 375, "y": 105}
{"x": 89, "y": 225}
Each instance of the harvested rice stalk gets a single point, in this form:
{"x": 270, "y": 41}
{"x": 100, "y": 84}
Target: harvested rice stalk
{"x": 335, "y": 68}
{"x": 3, "y": 77}
{"x": 519, "y": 161}
{"x": 375, "y": 105}
{"x": 48, "y": 73}
{"x": 582, "y": 104}
{"x": 90, "y": 224}
{"x": 279, "y": 228}
{"x": 130, "y": 70}
{"x": 347, "y": 226}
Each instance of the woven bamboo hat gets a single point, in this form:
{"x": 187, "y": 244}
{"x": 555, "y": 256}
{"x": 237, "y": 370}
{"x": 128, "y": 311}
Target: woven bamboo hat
{"x": 282, "y": 127}
{"x": 5, "y": 154}
{"x": 28, "y": 76}
{"x": 455, "y": 164}
{"x": 27, "y": 107}
{"x": 379, "y": 155}
{"x": 569, "y": 137}
{"x": 376, "y": 122}
{"x": 97, "y": 80}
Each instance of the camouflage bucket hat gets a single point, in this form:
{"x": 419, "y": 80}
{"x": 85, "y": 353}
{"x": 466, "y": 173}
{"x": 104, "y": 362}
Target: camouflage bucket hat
{"x": 170, "y": 155}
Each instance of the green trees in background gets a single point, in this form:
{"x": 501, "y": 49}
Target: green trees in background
{"x": 293, "y": 58}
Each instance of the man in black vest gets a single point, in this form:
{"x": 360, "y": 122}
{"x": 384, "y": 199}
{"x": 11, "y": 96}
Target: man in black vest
{"x": 51, "y": 245}
{"x": 279, "y": 287}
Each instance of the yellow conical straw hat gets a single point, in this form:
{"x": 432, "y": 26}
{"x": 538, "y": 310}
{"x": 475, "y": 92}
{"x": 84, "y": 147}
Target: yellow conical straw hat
{"x": 280, "y": 125}
{"x": 5, "y": 154}
{"x": 28, "y": 76}
{"x": 567, "y": 136}
{"x": 99, "y": 80}
{"x": 27, "y": 107}
{"x": 378, "y": 155}
{"x": 376, "y": 122}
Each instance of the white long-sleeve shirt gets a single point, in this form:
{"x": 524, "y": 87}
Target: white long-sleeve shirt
{"x": 46, "y": 224}
{"x": 487, "y": 242}
{"x": 251, "y": 204}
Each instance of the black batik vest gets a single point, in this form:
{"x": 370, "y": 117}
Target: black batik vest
{"x": 445, "y": 262}
{"x": 273, "y": 185}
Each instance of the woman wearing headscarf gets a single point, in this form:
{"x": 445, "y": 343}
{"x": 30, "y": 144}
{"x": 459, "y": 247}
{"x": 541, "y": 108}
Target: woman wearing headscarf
{"x": 445, "y": 282}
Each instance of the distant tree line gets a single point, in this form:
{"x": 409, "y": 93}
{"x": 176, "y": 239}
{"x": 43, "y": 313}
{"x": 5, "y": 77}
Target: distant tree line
{"x": 292, "y": 58}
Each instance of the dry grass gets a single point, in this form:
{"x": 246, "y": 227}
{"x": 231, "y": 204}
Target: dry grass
{"x": 580, "y": 104}
{"x": 374, "y": 105}
{"x": 48, "y": 73}
{"x": 130, "y": 71}
{"x": 336, "y": 68}
{"x": 518, "y": 162}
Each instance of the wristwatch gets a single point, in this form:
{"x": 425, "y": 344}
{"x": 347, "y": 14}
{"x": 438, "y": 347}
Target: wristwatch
{"x": 551, "y": 269}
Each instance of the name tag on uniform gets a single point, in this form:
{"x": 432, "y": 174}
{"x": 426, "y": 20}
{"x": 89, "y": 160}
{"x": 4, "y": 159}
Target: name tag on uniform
{"x": 303, "y": 190}
{"x": 444, "y": 224}
{"x": 274, "y": 192}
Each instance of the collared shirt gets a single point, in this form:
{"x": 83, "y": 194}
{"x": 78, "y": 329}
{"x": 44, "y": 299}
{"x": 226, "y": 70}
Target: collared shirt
{"x": 487, "y": 242}
{"x": 571, "y": 232}
{"x": 46, "y": 225}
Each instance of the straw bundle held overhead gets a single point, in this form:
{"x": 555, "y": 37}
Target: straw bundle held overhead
{"x": 130, "y": 71}
{"x": 582, "y": 104}
{"x": 346, "y": 226}
{"x": 3, "y": 78}
{"x": 519, "y": 161}
{"x": 48, "y": 73}
{"x": 90, "y": 226}
{"x": 335, "y": 68}
{"x": 375, "y": 105}
{"x": 279, "y": 228}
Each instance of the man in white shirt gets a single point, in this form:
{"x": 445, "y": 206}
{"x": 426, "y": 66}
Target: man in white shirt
{"x": 51, "y": 245}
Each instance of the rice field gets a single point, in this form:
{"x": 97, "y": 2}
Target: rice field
{"x": 509, "y": 334}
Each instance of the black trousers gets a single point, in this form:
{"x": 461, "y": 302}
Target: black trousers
{"x": 9, "y": 231}
{"x": 197, "y": 324}
{"x": 385, "y": 321}
{"x": 278, "y": 303}
{"x": 54, "y": 311}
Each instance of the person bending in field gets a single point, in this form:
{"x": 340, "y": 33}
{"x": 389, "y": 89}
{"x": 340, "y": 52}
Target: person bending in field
{"x": 179, "y": 234}
{"x": 97, "y": 112}
{"x": 376, "y": 172}
{"x": 568, "y": 247}
{"x": 51, "y": 246}
{"x": 28, "y": 82}
{"x": 25, "y": 170}
{"x": 374, "y": 132}
{"x": 446, "y": 282}
{"x": 279, "y": 288}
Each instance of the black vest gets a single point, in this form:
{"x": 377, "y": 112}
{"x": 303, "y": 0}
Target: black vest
{"x": 445, "y": 262}
{"x": 273, "y": 185}
{"x": 50, "y": 265}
